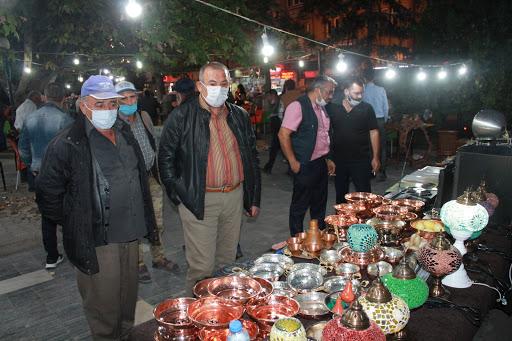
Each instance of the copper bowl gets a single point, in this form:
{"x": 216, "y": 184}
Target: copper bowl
{"x": 201, "y": 288}
{"x": 313, "y": 249}
{"x": 295, "y": 249}
{"x": 266, "y": 288}
{"x": 301, "y": 235}
{"x": 350, "y": 208}
{"x": 412, "y": 205}
{"x": 237, "y": 288}
{"x": 268, "y": 311}
{"x": 362, "y": 258}
{"x": 214, "y": 312}
{"x": 329, "y": 240}
{"x": 368, "y": 199}
{"x": 171, "y": 317}
{"x": 390, "y": 212}
{"x": 294, "y": 240}
{"x": 222, "y": 334}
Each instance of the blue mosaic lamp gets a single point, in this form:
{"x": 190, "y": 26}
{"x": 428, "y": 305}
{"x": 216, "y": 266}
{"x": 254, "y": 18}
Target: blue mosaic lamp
{"x": 464, "y": 217}
{"x": 362, "y": 237}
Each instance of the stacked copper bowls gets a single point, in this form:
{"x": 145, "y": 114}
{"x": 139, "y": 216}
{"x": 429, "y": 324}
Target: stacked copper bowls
{"x": 340, "y": 223}
{"x": 172, "y": 319}
{"x": 266, "y": 312}
{"x": 214, "y": 312}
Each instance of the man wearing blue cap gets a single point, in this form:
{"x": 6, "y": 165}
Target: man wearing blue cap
{"x": 93, "y": 181}
{"x": 143, "y": 130}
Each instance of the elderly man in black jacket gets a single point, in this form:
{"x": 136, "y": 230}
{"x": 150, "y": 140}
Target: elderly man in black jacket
{"x": 93, "y": 182}
{"x": 209, "y": 166}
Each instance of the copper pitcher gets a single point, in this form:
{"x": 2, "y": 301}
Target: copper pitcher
{"x": 313, "y": 235}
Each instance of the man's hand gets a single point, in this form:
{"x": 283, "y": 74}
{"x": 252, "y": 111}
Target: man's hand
{"x": 255, "y": 210}
{"x": 295, "y": 166}
{"x": 331, "y": 168}
{"x": 375, "y": 165}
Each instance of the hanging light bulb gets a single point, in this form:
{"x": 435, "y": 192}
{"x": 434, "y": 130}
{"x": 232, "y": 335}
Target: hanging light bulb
{"x": 462, "y": 70}
{"x": 390, "y": 73}
{"x": 111, "y": 77}
{"x": 341, "y": 66}
{"x": 301, "y": 63}
{"x": 68, "y": 86}
{"x": 80, "y": 78}
{"x": 27, "y": 69}
{"x": 442, "y": 74}
{"x": 133, "y": 9}
{"x": 267, "y": 50}
{"x": 421, "y": 76}
{"x": 138, "y": 64}
{"x": 106, "y": 71}
{"x": 76, "y": 61}
{"x": 265, "y": 59}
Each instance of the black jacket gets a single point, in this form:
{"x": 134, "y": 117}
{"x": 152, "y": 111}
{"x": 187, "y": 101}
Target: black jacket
{"x": 183, "y": 155}
{"x": 67, "y": 193}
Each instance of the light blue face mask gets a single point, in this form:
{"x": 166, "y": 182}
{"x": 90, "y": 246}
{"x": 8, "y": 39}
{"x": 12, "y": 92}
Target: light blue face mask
{"x": 128, "y": 109}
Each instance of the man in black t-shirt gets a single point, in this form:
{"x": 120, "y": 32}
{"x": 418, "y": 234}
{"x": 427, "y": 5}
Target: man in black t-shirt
{"x": 355, "y": 140}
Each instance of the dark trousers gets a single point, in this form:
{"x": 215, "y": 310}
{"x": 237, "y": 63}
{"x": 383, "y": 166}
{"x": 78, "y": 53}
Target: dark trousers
{"x": 381, "y": 123}
{"x": 49, "y": 229}
{"x": 309, "y": 191}
{"x": 359, "y": 172}
{"x": 275, "y": 146}
{"x": 109, "y": 296}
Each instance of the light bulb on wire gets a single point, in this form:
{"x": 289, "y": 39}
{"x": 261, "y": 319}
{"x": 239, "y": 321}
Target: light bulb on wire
{"x": 341, "y": 66}
{"x": 421, "y": 76}
{"x": 390, "y": 73}
{"x": 265, "y": 59}
{"x": 267, "y": 50}
{"x": 442, "y": 74}
{"x": 68, "y": 86}
{"x": 111, "y": 77}
{"x": 76, "y": 61}
{"x": 133, "y": 9}
{"x": 138, "y": 64}
{"x": 462, "y": 70}
{"x": 80, "y": 78}
{"x": 301, "y": 63}
{"x": 106, "y": 71}
{"x": 27, "y": 69}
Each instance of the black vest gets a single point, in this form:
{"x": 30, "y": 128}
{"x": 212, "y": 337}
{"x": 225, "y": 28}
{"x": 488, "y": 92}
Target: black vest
{"x": 304, "y": 139}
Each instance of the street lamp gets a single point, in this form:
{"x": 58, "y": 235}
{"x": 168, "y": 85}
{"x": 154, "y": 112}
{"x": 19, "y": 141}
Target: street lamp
{"x": 267, "y": 50}
{"x": 133, "y": 9}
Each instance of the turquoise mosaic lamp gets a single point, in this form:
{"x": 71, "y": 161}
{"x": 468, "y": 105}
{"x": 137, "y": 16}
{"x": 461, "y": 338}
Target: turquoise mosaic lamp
{"x": 362, "y": 237}
{"x": 404, "y": 284}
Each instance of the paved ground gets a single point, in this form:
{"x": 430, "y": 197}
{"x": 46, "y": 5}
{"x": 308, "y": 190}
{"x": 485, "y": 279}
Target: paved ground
{"x": 40, "y": 305}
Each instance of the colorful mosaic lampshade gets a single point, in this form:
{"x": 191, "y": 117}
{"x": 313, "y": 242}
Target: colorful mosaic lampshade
{"x": 287, "y": 329}
{"x": 439, "y": 258}
{"x": 404, "y": 283}
{"x": 362, "y": 237}
{"x": 353, "y": 325}
{"x": 464, "y": 217}
{"x": 388, "y": 311}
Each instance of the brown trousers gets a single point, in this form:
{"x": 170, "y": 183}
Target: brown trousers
{"x": 211, "y": 243}
{"x": 157, "y": 249}
{"x": 109, "y": 297}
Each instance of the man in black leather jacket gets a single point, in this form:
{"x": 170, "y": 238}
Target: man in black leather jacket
{"x": 207, "y": 155}
{"x": 93, "y": 182}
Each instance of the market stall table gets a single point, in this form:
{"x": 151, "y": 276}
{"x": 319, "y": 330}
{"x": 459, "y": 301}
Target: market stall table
{"x": 435, "y": 323}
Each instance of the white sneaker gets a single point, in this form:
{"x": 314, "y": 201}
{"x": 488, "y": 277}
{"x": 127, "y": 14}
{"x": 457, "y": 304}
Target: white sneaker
{"x": 54, "y": 265}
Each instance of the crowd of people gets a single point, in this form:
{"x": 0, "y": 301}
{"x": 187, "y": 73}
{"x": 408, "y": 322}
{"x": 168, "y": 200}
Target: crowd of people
{"x": 100, "y": 175}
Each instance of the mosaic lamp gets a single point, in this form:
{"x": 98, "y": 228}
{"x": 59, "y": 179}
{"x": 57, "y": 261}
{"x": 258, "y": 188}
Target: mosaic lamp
{"x": 439, "y": 258}
{"x": 362, "y": 237}
{"x": 464, "y": 217}
{"x": 388, "y": 311}
{"x": 353, "y": 325}
{"x": 403, "y": 283}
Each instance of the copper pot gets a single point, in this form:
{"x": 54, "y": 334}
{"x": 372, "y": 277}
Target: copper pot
{"x": 390, "y": 212}
{"x": 412, "y": 205}
{"x": 237, "y": 288}
{"x": 201, "y": 288}
{"x": 268, "y": 311}
{"x": 313, "y": 249}
{"x": 173, "y": 322}
{"x": 329, "y": 240}
{"x": 214, "y": 312}
{"x": 295, "y": 249}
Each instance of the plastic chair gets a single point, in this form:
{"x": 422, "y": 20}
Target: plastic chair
{"x": 19, "y": 164}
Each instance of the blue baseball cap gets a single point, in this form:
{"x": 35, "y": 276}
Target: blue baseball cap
{"x": 99, "y": 87}
{"x": 124, "y": 86}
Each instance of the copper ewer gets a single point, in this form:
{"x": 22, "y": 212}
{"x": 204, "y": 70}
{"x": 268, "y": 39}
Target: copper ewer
{"x": 172, "y": 319}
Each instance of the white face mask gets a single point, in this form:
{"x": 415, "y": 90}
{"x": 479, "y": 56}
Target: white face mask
{"x": 103, "y": 119}
{"x": 351, "y": 101}
{"x": 321, "y": 102}
{"x": 217, "y": 95}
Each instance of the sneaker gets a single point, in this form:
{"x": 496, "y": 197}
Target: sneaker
{"x": 165, "y": 264}
{"x": 51, "y": 264}
{"x": 144, "y": 276}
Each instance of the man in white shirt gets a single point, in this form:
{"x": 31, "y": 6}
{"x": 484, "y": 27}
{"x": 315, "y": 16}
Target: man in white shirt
{"x": 27, "y": 107}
